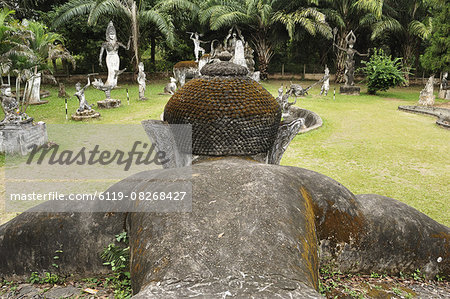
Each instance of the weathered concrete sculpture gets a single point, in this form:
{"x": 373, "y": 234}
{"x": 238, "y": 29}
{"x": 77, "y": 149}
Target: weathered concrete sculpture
{"x": 171, "y": 87}
{"x": 195, "y": 37}
{"x": 325, "y": 82}
{"x": 17, "y": 132}
{"x": 62, "y": 91}
{"x": 85, "y": 110}
{"x": 141, "y": 81}
{"x": 113, "y": 64}
{"x": 10, "y": 107}
{"x": 444, "y": 90}
{"x": 235, "y": 46}
{"x": 33, "y": 89}
{"x": 426, "y": 95}
{"x": 283, "y": 101}
{"x": 349, "y": 88}
{"x": 185, "y": 70}
{"x": 255, "y": 230}
{"x": 112, "y": 54}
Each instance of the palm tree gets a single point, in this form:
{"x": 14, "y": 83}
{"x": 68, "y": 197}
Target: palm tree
{"x": 137, "y": 14}
{"x": 261, "y": 17}
{"x": 408, "y": 21}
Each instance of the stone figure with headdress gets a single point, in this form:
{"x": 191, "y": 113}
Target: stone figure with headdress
{"x": 111, "y": 45}
{"x": 350, "y": 61}
{"x": 235, "y": 44}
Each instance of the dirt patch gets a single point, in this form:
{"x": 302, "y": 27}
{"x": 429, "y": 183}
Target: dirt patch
{"x": 443, "y": 105}
{"x": 337, "y": 285}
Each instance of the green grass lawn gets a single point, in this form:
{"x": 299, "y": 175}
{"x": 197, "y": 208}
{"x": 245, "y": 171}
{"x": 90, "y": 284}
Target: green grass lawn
{"x": 365, "y": 143}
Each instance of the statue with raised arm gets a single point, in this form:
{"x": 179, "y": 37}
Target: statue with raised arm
{"x": 197, "y": 48}
{"x": 350, "y": 61}
{"x": 111, "y": 45}
{"x": 84, "y": 105}
{"x": 85, "y": 110}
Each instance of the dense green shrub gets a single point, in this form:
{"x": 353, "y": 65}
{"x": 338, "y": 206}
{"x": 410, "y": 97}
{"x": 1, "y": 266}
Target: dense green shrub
{"x": 382, "y": 72}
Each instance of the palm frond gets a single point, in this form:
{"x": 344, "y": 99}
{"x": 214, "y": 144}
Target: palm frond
{"x": 333, "y": 16}
{"x": 372, "y": 6}
{"x": 184, "y": 5}
{"x": 310, "y": 19}
{"x": 386, "y": 24}
{"x": 229, "y": 19}
{"x": 162, "y": 21}
{"x": 108, "y": 7}
{"x": 421, "y": 29}
{"x": 72, "y": 9}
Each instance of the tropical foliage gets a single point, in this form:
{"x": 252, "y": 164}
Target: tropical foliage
{"x": 382, "y": 72}
{"x": 293, "y": 29}
{"x": 408, "y": 22}
{"x": 137, "y": 16}
{"x": 260, "y": 18}
{"x": 437, "y": 54}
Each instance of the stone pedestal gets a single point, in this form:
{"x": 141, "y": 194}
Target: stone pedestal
{"x": 350, "y": 90}
{"x": 444, "y": 94}
{"x": 85, "y": 115}
{"x": 108, "y": 104}
{"x": 20, "y": 138}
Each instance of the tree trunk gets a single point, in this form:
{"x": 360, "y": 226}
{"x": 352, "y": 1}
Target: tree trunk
{"x": 264, "y": 51}
{"x": 340, "y": 58}
{"x": 407, "y": 60}
{"x": 152, "y": 49}
{"x": 135, "y": 35}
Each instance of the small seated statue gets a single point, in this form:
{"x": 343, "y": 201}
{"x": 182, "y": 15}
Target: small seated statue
{"x": 10, "y": 107}
{"x": 171, "y": 87}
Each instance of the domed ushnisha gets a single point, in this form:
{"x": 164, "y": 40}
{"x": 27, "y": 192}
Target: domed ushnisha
{"x": 230, "y": 113}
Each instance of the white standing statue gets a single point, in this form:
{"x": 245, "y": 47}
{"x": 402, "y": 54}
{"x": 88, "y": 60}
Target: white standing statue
{"x": 197, "y": 48}
{"x": 141, "y": 80}
{"x": 236, "y": 46}
{"x": 112, "y": 54}
{"x": 326, "y": 82}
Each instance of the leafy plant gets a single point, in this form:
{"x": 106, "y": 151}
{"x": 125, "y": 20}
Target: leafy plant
{"x": 56, "y": 257}
{"x": 382, "y": 72}
{"x": 117, "y": 255}
{"x": 35, "y": 278}
{"x": 418, "y": 276}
